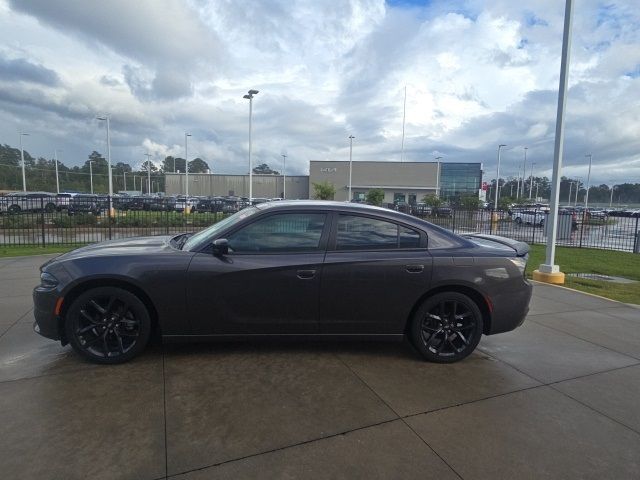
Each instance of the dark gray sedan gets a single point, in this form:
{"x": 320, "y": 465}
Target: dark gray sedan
{"x": 294, "y": 269}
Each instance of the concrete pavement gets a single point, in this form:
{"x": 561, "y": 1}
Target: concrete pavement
{"x": 557, "y": 398}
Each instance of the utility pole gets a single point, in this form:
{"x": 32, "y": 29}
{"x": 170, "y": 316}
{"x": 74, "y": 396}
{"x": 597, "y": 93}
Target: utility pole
{"x": 586, "y": 197}
{"x": 524, "y": 171}
{"x": 404, "y": 116}
{"x": 249, "y": 96}
{"x": 148, "y": 155}
{"x": 548, "y": 271}
{"x": 533, "y": 164}
{"x": 91, "y": 175}
{"x": 24, "y": 175}
{"x": 611, "y": 198}
{"x": 351, "y": 137}
{"x": 284, "y": 176}
{"x": 55, "y": 159}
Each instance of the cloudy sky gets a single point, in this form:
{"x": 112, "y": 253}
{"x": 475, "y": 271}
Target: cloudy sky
{"x": 477, "y": 73}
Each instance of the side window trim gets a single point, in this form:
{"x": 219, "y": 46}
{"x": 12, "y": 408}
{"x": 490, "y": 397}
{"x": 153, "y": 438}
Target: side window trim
{"x": 324, "y": 237}
{"x": 333, "y": 239}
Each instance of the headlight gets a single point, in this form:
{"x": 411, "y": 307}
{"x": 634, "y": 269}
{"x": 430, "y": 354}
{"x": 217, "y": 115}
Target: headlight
{"x": 520, "y": 262}
{"x": 48, "y": 281}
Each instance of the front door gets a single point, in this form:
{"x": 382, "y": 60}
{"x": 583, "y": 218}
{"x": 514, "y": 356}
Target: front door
{"x": 267, "y": 284}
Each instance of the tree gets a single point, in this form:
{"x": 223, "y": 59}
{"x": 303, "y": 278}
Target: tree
{"x": 265, "y": 169}
{"x": 375, "y": 196}
{"x": 324, "y": 191}
{"x": 469, "y": 202}
{"x": 197, "y": 165}
{"x": 432, "y": 200}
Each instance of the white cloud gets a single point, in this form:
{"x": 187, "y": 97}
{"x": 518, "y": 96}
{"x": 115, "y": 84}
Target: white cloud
{"x": 477, "y": 74}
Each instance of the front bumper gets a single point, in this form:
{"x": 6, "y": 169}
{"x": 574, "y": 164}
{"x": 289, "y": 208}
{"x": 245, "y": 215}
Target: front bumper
{"x": 47, "y": 322}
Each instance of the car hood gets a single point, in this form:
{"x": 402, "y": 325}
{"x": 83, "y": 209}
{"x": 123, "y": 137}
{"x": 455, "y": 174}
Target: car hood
{"x": 125, "y": 246}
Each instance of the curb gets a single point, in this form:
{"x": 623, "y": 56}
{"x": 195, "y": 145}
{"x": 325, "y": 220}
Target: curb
{"x": 633, "y": 305}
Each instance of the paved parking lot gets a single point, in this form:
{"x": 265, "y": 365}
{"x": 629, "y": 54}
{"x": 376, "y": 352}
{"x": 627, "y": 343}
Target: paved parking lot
{"x": 557, "y": 398}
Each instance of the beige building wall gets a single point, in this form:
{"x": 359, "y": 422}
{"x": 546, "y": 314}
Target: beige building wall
{"x": 264, "y": 186}
{"x": 406, "y": 178}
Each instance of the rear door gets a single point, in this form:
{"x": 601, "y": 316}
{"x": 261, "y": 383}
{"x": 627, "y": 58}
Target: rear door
{"x": 375, "y": 270}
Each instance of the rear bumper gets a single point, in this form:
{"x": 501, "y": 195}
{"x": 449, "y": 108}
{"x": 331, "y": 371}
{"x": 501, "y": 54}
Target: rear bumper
{"x": 510, "y": 307}
{"x": 47, "y": 323}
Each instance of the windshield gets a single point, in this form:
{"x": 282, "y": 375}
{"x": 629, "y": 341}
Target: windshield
{"x": 202, "y": 235}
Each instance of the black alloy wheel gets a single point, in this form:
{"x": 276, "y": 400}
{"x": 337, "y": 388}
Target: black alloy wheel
{"x": 447, "y": 327}
{"x": 108, "y": 325}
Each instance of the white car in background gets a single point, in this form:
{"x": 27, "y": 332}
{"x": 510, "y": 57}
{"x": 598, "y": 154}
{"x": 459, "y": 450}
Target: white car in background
{"x": 530, "y": 217}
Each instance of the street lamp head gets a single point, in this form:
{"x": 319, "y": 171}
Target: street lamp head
{"x": 24, "y": 134}
{"x": 502, "y": 145}
{"x": 101, "y": 117}
{"x": 187, "y": 134}
{"x": 248, "y": 97}
{"x": 351, "y": 136}
{"x": 252, "y": 92}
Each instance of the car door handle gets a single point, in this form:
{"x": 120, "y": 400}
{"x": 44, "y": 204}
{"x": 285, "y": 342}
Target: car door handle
{"x": 414, "y": 268}
{"x": 306, "y": 274}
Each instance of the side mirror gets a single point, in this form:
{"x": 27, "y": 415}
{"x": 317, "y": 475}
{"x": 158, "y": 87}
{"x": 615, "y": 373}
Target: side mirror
{"x": 220, "y": 247}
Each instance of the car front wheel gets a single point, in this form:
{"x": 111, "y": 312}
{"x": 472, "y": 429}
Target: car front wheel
{"x": 108, "y": 325}
{"x": 447, "y": 327}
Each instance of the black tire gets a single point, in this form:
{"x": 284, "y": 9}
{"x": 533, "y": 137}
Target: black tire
{"x": 436, "y": 337}
{"x": 50, "y": 207}
{"x": 14, "y": 209}
{"x": 518, "y": 220}
{"x": 108, "y": 325}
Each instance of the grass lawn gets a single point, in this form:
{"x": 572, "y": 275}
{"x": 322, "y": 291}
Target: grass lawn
{"x": 18, "y": 250}
{"x": 588, "y": 260}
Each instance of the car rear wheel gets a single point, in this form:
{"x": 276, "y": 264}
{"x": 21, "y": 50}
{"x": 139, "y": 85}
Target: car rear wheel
{"x": 108, "y": 325}
{"x": 518, "y": 220}
{"x": 447, "y": 327}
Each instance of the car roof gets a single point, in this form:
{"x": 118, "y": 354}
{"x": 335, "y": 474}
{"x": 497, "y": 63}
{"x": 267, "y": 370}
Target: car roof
{"x": 347, "y": 207}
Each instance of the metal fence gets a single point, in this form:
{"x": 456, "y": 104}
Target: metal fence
{"x": 586, "y": 231}
{"x": 85, "y": 220}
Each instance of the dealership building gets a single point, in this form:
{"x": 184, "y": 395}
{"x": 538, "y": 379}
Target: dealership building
{"x": 400, "y": 181}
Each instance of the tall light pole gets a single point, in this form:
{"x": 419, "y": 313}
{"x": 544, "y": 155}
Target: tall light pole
{"x": 55, "y": 159}
{"x": 586, "y": 197}
{"x": 533, "y": 164}
{"x": 91, "y": 175}
{"x": 611, "y": 198}
{"x": 549, "y": 271}
{"x": 24, "y": 176}
{"x": 124, "y": 181}
{"x": 404, "y": 116}
{"x": 148, "y": 155}
{"x": 186, "y": 166}
{"x": 284, "y": 176}
{"x": 575, "y": 202}
{"x": 106, "y": 118}
{"x": 249, "y": 96}
{"x": 524, "y": 171}
{"x": 351, "y": 137}
{"x": 437, "y": 159}
{"x": 495, "y": 205}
